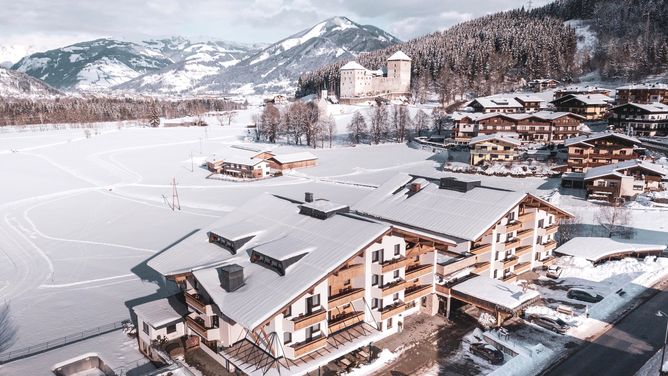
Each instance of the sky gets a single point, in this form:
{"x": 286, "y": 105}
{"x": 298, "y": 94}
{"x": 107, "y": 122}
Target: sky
{"x": 45, "y": 24}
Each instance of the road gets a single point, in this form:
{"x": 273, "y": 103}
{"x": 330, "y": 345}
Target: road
{"x": 624, "y": 348}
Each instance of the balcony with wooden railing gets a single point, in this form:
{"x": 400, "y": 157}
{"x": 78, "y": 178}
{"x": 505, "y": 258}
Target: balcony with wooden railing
{"x": 523, "y": 250}
{"x": 441, "y": 289}
{"x": 481, "y": 267}
{"x": 350, "y": 271}
{"x": 509, "y": 261}
{"x": 524, "y": 234}
{"x": 510, "y": 277}
{"x": 197, "y": 325}
{"x": 393, "y": 287}
{"x": 393, "y": 264}
{"x": 304, "y": 321}
{"x": 419, "y": 249}
{"x": 549, "y": 245}
{"x": 548, "y": 260}
{"x": 481, "y": 249}
{"x": 551, "y": 229}
{"x": 418, "y": 271}
{"x": 510, "y": 227}
{"x": 455, "y": 266}
{"x": 392, "y": 310}
{"x": 416, "y": 292}
{"x": 510, "y": 244}
{"x": 195, "y": 301}
{"x": 345, "y": 321}
{"x": 527, "y": 217}
{"x": 345, "y": 298}
{"x": 523, "y": 267}
{"x": 309, "y": 346}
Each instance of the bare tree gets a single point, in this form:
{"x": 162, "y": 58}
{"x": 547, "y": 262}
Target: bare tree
{"x": 401, "y": 122}
{"x": 421, "y": 123}
{"x": 329, "y": 128}
{"x": 569, "y": 228}
{"x": 357, "y": 128}
{"x": 379, "y": 124}
{"x": 440, "y": 116}
{"x": 269, "y": 123}
{"x": 616, "y": 220}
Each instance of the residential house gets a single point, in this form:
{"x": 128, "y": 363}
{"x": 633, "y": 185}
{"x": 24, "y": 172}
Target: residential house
{"x": 281, "y": 162}
{"x": 623, "y": 180}
{"x": 541, "y": 84}
{"x": 642, "y": 93}
{"x": 505, "y": 104}
{"x": 598, "y": 149}
{"x": 581, "y": 90}
{"x": 647, "y": 120}
{"x": 159, "y": 321}
{"x": 493, "y": 148}
{"x": 591, "y": 106}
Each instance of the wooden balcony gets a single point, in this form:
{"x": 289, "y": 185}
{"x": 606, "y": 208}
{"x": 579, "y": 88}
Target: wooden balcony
{"x": 510, "y": 244}
{"x": 551, "y": 229}
{"x": 394, "y": 264}
{"x": 419, "y": 250}
{"x": 443, "y": 289}
{"x": 304, "y": 348}
{"x": 481, "y": 249}
{"x": 195, "y": 301}
{"x": 550, "y": 245}
{"x": 416, "y": 292}
{"x": 392, "y": 310}
{"x": 481, "y": 267}
{"x": 418, "y": 271}
{"x": 523, "y": 267}
{"x": 548, "y": 260}
{"x": 509, "y": 261}
{"x": 345, "y": 298}
{"x": 198, "y": 327}
{"x": 351, "y": 271}
{"x": 523, "y": 250}
{"x": 455, "y": 266}
{"x": 527, "y": 217}
{"x": 524, "y": 234}
{"x": 305, "y": 321}
{"x": 341, "y": 323}
{"x": 513, "y": 226}
{"x": 510, "y": 278}
{"x": 393, "y": 287}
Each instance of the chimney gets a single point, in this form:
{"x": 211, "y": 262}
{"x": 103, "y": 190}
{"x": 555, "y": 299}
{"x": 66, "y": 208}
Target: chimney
{"x": 453, "y": 184}
{"x": 415, "y": 187}
{"x": 308, "y": 197}
{"x": 231, "y": 277}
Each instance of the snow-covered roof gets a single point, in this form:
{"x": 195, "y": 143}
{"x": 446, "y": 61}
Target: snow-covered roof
{"x": 496, "y": 102}
{"x": 399, "y": 55}
{"x": 654, "y": 108}
{"x": 280, "y": 232}
{"x": 242, "y": 160}
{"x": 543, "y": 115}
{"x": 644, "y": 86}
{"x": 599, "y": 135}
{"x": 582, "y": 89}
{"x": 495, "y": 291}
{"x": 528, "y": 98}
{"x": 495, "y": 136}
{"x": 462, "y": 215}
{"x": 352, "y": 65}
{"x": 617, "y": 168}
{"x": 161, "y": 312}
{"x": 589, "y": 99}
{"x": 294, "y": 157}
{"x": 595, "y": 249}
{"x": 459, "y": 115}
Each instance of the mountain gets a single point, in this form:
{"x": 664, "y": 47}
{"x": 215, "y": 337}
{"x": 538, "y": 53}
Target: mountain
{"x": 275, "y": 68}
{"x": 17, "y": 84}
{"x": 92, "y": 65}
{"x": 11, "y": 53}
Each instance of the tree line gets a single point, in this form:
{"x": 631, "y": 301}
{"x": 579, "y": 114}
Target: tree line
{"x": 75, "y": 110}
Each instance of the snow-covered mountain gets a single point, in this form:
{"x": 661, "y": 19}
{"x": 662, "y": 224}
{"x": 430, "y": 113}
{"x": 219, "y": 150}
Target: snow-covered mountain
{"x": 17, "y": 84}
{"x": 275, "y": 68}
{"x": 11, "y": 53}
{"x": 92, "y": 65}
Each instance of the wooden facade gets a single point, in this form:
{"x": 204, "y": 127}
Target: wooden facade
{"x": 598, "y": 152}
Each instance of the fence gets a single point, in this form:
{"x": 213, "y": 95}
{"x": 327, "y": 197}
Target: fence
{"x": 59, "y": 342}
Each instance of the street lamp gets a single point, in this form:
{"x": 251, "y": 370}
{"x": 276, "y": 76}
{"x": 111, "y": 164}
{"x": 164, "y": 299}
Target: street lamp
{"x": 665, "y": 340}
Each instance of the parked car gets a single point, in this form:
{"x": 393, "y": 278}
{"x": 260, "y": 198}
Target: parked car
{"x": 584, "y": 295}
{"x": 487, "y": 352}
{"x": 552, "y": 324}
{"x": 554, "y": 271}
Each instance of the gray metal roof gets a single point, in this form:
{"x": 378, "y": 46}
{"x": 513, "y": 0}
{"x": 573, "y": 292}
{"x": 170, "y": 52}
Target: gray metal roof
{"x": 454, "y": 214}
{"x": 162, "y": 311}
{"x": 599, "y": 135}
{"x": 617, "y": 168}
{"x": 496, "y": 291}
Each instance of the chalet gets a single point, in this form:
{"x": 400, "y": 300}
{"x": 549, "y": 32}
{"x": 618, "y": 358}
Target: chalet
{"x": 623, "y": 180}
{"x": 242, "y": 167}
{"x": 598, "y": 149}
{"x": 292, "y": 161}
{"x": 159, "y": 320}
{"x": 280, "y": 286}
{"x": 581, "y": 90}
{"x": 642, "y": 93}
{"x": 530, "y": 103}
{"x": 541, "y": 84}
{"x": 647, "y": 120}
{"x": 493, "y": 148}
{"x": 591, "y": 106}
{"x": 496, "y": 104}
{"x": 541, "y": 126}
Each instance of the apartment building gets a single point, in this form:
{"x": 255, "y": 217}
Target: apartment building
{"x": 623, "y": 180}
{"x": 590, "y": 106}
{"x": 506, "y": 104}
{"x": 643, "y": 120}
{"x": 642, "y": 93}
{"x": 598, "y": 149}
{"x": 493, "y": 148}
{"x": 280, "y": 286}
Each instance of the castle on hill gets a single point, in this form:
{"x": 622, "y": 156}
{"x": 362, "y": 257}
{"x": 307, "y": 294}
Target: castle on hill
{"x": 358, "y": 82}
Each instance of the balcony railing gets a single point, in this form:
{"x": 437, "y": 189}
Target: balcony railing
{"x": 350, "y": 271}
{"x": 416, "y": 292}
{"x": 510, "y": 244}
{"x": 550, "y": 245}
{"x": 394, "y": 264}
{"x": 341, "y": 323}
{"x": 510, "y": 277}
{"x": 481, "y": 249}
{"x": 197, "y": 325}
{"x": 523, "y": 267}
{"x": 195, "y": 301}
{"x": 418, "y": 271}
{"x": 515, "y": 225}
{"x": 523, "y": 250}
{"x": 392, "y": 310}
{"x": 307, "y": 320}
{"x": 481, "y": 267}
{"x": 523, "y": 234}
{"x": 393, "y": 287}
{"x": 455, "y": 266}
{"x": 419, "y": 250}
{"x": 509, "y": 261}
{"x": 443, "y": 289}
{"x": 345, "y": 298}
{"x": 527, "y": 217}
{"x": 309, "y": 346}
{"x": 548, "y": 260}
{"x": 551, "y": 229}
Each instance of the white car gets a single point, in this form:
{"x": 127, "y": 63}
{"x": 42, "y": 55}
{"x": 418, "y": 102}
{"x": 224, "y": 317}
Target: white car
{"x": 554, "y": 271}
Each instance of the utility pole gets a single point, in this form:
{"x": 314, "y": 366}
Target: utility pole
{"x": 192, "y": 163}
{"x": 200, "y": 145}
{"x": 176, "y": 203}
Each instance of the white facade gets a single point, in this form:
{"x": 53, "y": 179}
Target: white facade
{"x": 357, "y": 81}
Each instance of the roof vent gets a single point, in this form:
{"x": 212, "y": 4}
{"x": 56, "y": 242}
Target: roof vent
{"x": 322, "y": 209}
{"x": 231, "y": 277}
{"x": 453, "y": 184}
{"x": 308, "y": 197}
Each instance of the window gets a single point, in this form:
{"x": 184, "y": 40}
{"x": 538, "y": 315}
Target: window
{"x": 312, "y": 303}
{"x": 496, "y": 274}
{"x": 375, "y": 303}
{"x": 397, "y": 249}
{"x": 389, "y": 323}
{"x": 541, "y": 222}
{"x": 312, "y": 332}
{"x": 375, "y": 280}
{"x": 145, "y": 327}
{"x": 288, "y": 311}
{"x": 171, "y": 329}
{"x": 287, "y": 338}
{"x": 375, "y": 256}
{"x": 395, "y": 297}
{"x": 498, "y": 237}
{"x": 539, "y": 239}
{"x": 396, "y": 274}
{"x": 346, "y": 282}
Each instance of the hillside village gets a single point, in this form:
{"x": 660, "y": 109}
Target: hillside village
{"x": 384, "y": 220}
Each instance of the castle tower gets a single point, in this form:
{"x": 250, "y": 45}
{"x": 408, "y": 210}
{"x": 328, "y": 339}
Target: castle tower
{"x": 399, "y": 71}
{"x": 355, "y": 80}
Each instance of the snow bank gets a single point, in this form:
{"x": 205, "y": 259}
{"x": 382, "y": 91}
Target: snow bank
{"x": 577, "y": 267}
{"x": 549, "y": 312}
{"x": 526, "y": 365}
{"x": 487, "y": 320}
{"x": 384, "y": 358}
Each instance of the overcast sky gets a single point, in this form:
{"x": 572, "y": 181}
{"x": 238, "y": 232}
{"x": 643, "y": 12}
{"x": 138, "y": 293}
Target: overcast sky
{"x": 55, "y": 23}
